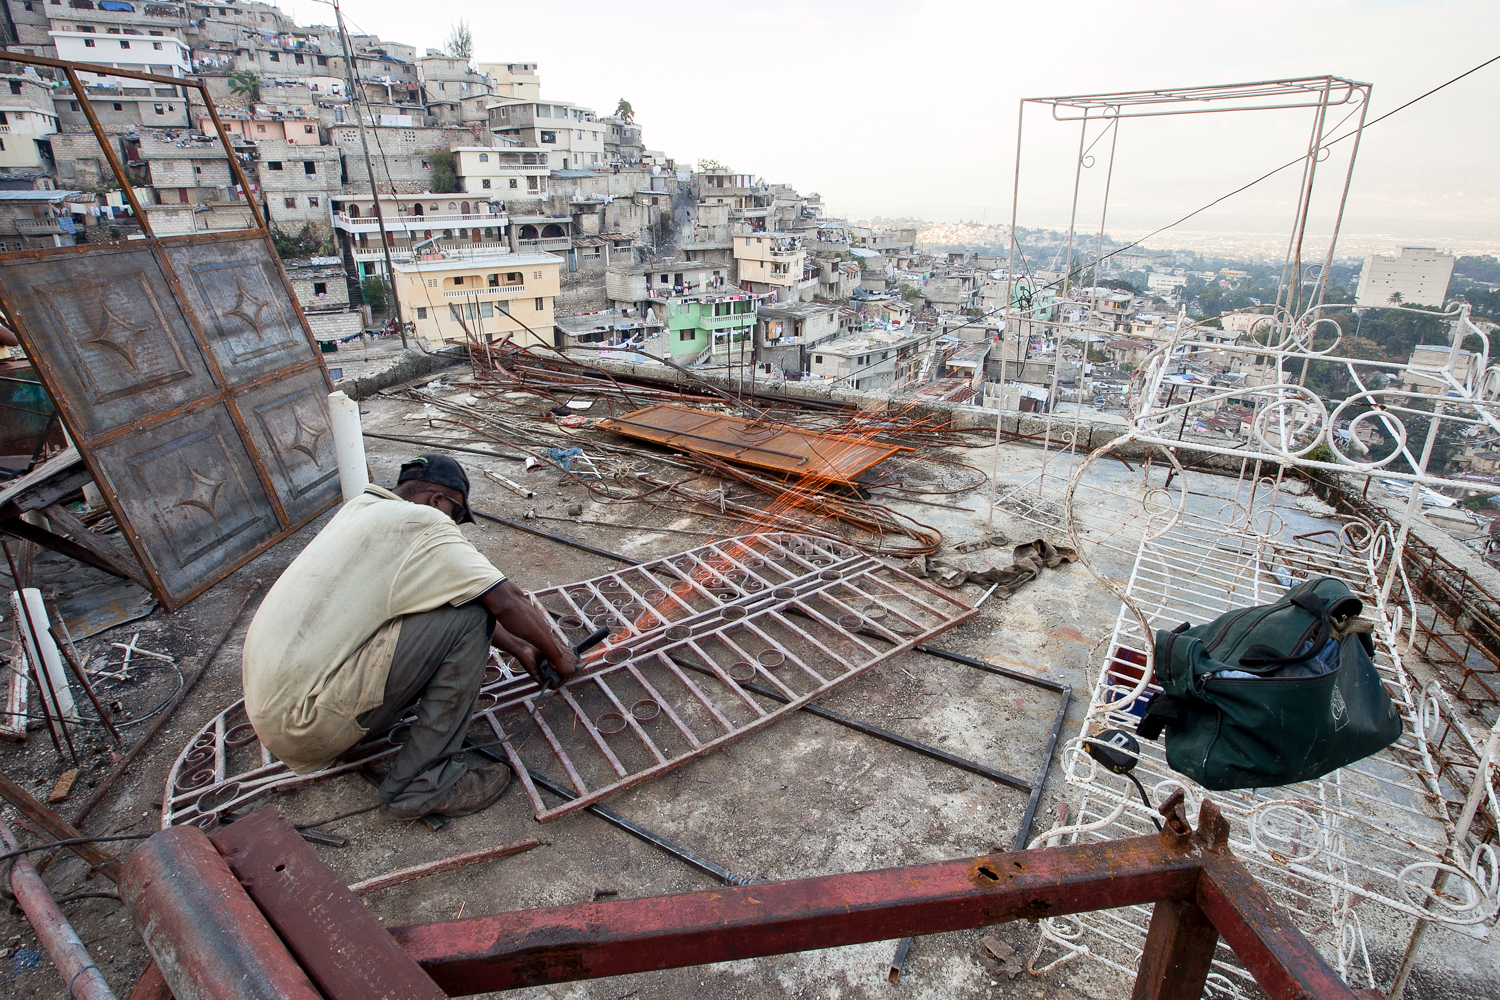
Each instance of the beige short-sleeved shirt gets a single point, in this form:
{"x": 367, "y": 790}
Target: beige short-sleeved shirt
{"x": 319, "y": 650}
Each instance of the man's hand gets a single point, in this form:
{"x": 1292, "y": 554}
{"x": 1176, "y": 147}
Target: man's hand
{"x": 523, "y": 625}
{"x": 527, "y": 655}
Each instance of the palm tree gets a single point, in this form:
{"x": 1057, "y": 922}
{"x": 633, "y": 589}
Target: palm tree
{"x": 244, "y": 83}
{"x": 1395, "y": 299}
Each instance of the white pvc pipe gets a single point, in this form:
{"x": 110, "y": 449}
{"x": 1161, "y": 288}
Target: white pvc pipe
{"x": 49, "y": 657}
{"x": 348, "y": 444}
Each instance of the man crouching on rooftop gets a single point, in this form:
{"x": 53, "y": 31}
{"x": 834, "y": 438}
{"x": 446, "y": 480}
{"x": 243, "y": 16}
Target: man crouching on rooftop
{"x": 389, "y": 606}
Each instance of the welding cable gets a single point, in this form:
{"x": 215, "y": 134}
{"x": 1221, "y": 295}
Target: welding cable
{"x": 1150, "y": 809}
{"x": 66, "y": 842}
{"x": 335, "y": 819}
{"x": 86, "y": 720}
{"x": 74, "y": 897}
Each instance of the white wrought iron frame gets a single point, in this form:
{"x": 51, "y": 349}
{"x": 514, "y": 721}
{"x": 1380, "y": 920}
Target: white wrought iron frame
{"x": 1407, "y": 834}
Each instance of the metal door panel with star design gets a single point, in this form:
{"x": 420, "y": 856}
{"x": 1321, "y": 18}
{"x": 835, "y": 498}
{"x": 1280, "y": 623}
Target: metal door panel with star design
{"x": 287, "y": 421}
{"x": 190, "y": 495}
{"x": 113, "y": 336}
{"x": 241, "y": 305}
{"x": 192, "y": 388}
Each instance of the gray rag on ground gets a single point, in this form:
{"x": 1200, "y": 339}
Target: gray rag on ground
{"x": 1027, "y": 562}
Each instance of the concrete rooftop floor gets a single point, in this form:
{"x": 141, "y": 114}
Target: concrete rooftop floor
{"x": 803, "y": 797}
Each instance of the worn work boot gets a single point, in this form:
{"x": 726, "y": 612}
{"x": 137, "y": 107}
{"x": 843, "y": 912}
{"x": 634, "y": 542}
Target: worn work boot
{"x": 476, "y": 791}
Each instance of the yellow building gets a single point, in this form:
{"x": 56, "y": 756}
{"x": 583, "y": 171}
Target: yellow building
{"x": 491, "y": 294}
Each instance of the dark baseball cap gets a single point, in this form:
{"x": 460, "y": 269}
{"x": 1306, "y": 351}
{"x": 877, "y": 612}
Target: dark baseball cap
{"x": 440, "y": 470}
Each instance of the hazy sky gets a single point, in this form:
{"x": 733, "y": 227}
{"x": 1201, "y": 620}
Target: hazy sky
{"x": 909, "y": 108}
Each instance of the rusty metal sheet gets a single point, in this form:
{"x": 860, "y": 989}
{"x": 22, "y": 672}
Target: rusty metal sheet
{"x": 190, "y": 384}
{"x": 757, "y": 443}
{"x": 692, "y": 634}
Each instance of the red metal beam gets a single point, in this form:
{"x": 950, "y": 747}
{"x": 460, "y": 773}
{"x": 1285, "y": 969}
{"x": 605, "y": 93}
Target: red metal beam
{"x": 585, "y": 941}
{"x": 1192, "y": 869}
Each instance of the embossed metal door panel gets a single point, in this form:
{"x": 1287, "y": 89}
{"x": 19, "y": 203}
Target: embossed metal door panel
{"x": 191, "y": 496}
{"x": 234, "y": 289}
{"x": 188, "y": 379}
{"x": 114, "y": 342}
{"x": 287, "y": 420}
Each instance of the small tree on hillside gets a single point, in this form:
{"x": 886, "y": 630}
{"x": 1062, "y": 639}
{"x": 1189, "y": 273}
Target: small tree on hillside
{"x": 374, "y": 292}
{"x": 461, "y": 42}
{"x": 625, "y": 112}
{"x": 444, "y": 173}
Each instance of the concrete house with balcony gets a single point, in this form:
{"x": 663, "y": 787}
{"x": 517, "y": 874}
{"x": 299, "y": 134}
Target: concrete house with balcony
{"x": 642, "y": 285}
{"x": 507, "y": 172}
{"x": 786, "y": 333}
{"x": 30, "y": 219}
{"x": 770, "y": 262}
{"x": 622, "y": 141}
{"x": 494, "y": 295}
{"x": 712, "y": 328}
{"x": 454, "y": 221}
{"x": 27, "y": 123}
{"x": 573, "y": 134}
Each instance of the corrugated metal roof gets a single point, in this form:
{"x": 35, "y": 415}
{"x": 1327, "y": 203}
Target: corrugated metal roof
{"x": 762, "y": 445}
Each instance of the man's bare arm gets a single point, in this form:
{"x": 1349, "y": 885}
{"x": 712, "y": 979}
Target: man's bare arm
{"x": 518, "y": 617}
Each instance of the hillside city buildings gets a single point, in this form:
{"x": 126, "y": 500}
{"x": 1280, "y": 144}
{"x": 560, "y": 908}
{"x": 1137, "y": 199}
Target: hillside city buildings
{"x": 492, "y": 208}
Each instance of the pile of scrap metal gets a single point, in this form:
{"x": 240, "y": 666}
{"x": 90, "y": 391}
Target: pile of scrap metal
{"x": 802, "y": 463}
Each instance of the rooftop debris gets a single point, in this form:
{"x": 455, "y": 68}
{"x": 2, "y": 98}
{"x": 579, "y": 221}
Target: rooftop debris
{"x": 814, "y": 456}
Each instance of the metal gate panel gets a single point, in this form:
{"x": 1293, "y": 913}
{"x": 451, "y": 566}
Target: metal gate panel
{"x": 190, "y": 495}
{"x": 106, "y": 336}
{"x": 288, "y": 420}
{"x": 192, "y": 388}
{"x": 242, "y": 306}
{"x": 796, "y": 613}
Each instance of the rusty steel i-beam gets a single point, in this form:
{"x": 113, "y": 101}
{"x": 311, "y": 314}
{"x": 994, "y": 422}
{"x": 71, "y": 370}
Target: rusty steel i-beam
{"x": 1210, "y": 893}
{"x": 1202, "y": 894}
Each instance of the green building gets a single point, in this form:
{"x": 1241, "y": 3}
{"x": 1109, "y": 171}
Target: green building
{"x": 726, "y": 321}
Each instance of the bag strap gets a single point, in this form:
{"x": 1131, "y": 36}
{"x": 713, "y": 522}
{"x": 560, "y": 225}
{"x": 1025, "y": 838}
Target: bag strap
{"x": 1161, "y": 710}
{"x": 1261, "y": 658}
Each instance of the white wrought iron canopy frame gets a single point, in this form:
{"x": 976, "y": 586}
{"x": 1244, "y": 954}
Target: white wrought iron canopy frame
{"x": 1398, "y": 831}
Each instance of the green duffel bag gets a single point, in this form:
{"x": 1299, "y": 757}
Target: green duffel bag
{"x": 1273, "y": 694}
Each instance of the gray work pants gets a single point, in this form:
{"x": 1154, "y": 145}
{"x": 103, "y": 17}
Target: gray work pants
{"x": 438, "y": 665}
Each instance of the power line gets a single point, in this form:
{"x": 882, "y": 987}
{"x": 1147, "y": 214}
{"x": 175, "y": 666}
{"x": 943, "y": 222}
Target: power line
{"x": 1284, "y": 166}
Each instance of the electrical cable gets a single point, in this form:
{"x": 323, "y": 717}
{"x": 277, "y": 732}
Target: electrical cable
{"x": 76, "y": 840}
{"x": 1142, "y": 789}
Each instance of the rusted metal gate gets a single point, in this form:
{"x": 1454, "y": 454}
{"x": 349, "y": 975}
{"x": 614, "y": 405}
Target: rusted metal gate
{"x": 187, "y": 376}
{"x": 693, "y": 637}
{"x": 758, "y": 443}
